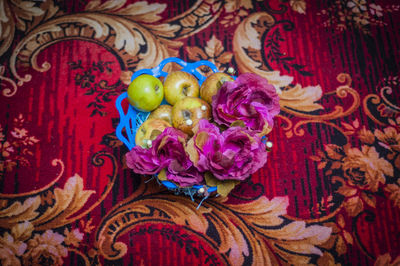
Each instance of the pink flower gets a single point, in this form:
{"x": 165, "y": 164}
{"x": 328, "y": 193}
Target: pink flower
{"x": 185, "y": 177}
{"x": 167, "y": 151}
{"x": 251, "y": 99}
{"x": 144, "y": 161}
{"x": 206, "y": 137}
{"x": 235, "y": 154}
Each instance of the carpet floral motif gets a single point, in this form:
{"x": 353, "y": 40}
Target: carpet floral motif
{"x": 347, "y": 138}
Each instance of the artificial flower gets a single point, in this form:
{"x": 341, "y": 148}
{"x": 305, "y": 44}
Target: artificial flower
{"x": 234, "y": 154}
{"x": 144, "y": 161}
{"x": 251, "y": 99}
{"x": 167, "y": 151}
{"x": 185, "y": 177}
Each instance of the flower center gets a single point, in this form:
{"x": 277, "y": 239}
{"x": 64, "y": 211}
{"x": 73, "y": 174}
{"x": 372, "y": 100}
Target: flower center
{"x": 46, "y": 260}
{"x": 357, "y": 176}
{"x": 391, "y": 141}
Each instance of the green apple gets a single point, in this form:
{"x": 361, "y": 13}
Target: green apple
{"x": 180, "y": 84}
{"x": 145, "y": 93}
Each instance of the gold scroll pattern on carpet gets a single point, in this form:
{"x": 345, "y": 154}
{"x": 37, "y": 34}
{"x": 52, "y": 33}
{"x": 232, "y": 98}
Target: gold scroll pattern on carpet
{"x": 26, "y": 215}
{"x": 382, "y": 108}
{"x": 302, "y": 102}
{"x": 257, "y": 227}
{"x": 124, "y": 29}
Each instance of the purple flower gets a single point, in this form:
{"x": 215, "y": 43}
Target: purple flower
{"x": 251, "y": 99}
{"x": 144, "y": 161}
{"x": 167, "y": 151}
{"x": 206, "y": 137}
{"x": 185, "y": 177}
{"x": 235, "y": 154}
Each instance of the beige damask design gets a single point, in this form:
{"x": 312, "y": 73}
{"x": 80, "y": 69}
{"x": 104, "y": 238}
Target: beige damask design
{"x": 25, "y": 213}
{"x": 131, "y": 26}
{"x": 380, "y": 103}
{"x": 258, "y": 226}
{"x": 16, "y": 149}
{"x": 360, "y": 14}
{"x": 21, "y": 247}
{"x": 247, "y": 44}
{"x": 21, "y": 15}
{"x": 214, "y": 52}
{"x": 298, "y": 5}
{"x": 67, "y": 202}
{"x": 5, "y": 83}
{"x": 294, "y": 99}
{"x": 387, "y": 260}
{"x": 362, "y": 172}
{"x": 124, "y": 28}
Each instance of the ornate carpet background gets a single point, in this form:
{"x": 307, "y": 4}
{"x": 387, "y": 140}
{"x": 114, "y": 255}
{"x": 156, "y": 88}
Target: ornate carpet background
{"x": 329, "y": 194}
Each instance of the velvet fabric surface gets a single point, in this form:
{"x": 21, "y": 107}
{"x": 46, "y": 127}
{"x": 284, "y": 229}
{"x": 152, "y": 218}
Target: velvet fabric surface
{"x": 329, "y": 193}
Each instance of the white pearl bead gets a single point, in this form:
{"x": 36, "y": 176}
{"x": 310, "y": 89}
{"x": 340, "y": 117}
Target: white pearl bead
{"x": 149, "y": 143}
{"x": 269, "y": 144}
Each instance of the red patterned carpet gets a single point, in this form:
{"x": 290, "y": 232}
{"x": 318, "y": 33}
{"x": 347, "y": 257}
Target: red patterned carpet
{"x": 328, "y": 195}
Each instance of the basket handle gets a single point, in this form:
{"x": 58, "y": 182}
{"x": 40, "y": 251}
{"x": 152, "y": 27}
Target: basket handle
{"x": 187, "y": 67}
{"x": 123, "y": 121}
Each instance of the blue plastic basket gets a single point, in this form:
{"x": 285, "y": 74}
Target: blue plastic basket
{"x": 131, "y": 120}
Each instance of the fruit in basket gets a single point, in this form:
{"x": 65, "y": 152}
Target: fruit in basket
{"x": 212, "y": 84}
{"x": 149, "y": 131}
{"x": 163, "y": 112}
{"x": 187, "y": 112}
{"x": 145, "y": 93}
{"x": 180, "y": 84}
